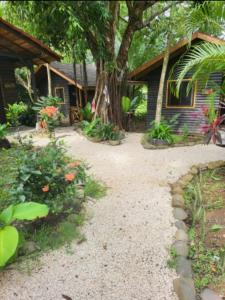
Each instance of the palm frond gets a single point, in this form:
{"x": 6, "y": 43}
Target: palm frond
{"x": 207, "y": 17}
{"x": 203, "y": 59}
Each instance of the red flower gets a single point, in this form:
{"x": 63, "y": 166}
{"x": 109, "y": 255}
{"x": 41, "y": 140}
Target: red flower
{"x": 69, "y": 176}
{"x": 45, "y": 188}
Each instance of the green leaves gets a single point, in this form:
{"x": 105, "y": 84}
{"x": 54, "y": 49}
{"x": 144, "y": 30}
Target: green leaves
{"x": 7, "y": 215}
{"x": 29, "y": 211}
{"x": 126, "y": 104}
{"x": 24, "y": 211}
{"x": 9, "y": 238}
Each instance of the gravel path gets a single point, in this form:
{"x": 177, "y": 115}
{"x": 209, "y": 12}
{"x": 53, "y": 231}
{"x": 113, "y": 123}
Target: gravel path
{"x": 129, "y": 234}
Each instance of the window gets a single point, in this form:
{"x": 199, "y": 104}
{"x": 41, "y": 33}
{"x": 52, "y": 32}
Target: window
{"x": 59, "y": 92}
{"x": 184, "y": 99}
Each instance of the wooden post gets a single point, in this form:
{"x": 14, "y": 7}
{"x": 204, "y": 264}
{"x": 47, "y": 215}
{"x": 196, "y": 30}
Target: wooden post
{"x": 33, "y": 81}
{"x": 49, "y": 80}
{"x": 80, "y": 98}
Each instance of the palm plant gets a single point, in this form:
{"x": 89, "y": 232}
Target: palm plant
{"x": 203, "y": 60}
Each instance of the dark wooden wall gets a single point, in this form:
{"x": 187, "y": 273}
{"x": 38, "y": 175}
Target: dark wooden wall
{"x": 8, "y": 82}
{"x": 186, "y": 116}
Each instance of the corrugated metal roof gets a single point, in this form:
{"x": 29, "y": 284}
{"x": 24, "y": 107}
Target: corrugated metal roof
{"x": 68, "y": 71}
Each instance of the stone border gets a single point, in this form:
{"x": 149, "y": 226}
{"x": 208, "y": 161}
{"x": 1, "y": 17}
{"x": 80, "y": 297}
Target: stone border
{"x": 148, "y": 145}
{"x": 184, "y": 284}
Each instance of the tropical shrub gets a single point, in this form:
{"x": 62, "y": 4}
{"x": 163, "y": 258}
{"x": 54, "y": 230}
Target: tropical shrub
{"x": 28, "y": 117}
{"x": 161, "y": 131}
{"x": 49, "y": 118}
{"x": 9, "y": 236}
{"x": 141, "y": 110}
{"x": 14, "y": 112}
{"x": 47, "y": 101}
{"x": 86, "y": 112}
{"x": 128, "y": 105}
{"x": 3, "y": 131}
{"x": 48, "y": 113}
{"x": 100, "y": 130}
{"x": 48, "y": 176}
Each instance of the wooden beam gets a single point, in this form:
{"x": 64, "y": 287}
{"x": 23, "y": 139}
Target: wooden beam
{"x": 49, "y": 80}
{"x": 66, "y": 77}
{"x": 80, "y": 98}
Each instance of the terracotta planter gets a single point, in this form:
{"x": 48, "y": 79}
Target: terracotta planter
{"x": 114, "y": 142}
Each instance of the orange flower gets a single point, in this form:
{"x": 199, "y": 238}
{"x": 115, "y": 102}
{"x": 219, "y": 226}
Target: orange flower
{"x": 69, "y": 176}
{"x": 50, "y": 111}
{"x": 74, "y": 164}
{"x": 45, "y": 188}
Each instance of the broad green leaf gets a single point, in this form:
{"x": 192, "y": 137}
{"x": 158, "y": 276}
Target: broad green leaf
{"x": 126, "y": 104}
{"x": 9, "y": 238}
{"x": 6, "y": 215}
{"x": 30, "y": 211}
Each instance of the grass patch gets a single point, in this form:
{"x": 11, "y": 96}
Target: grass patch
{"x": 205, "y": 200}
{"x": 171, "y": 262}
{"x": 94, "y": 189}
{"x": 10, "y": 160}
{"x": 50, "y": 237}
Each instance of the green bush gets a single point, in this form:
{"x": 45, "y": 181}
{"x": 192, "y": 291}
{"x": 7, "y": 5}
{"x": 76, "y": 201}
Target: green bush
{"x": 161, "y": 131}
{"x": 141, "y": 110}
{"x": 100, "y": 130}
{"x": 48, "y": 176}
{"x": 3, "y": 131}
{"x": 14, "y": 112}
{"x": 28, "y": 117}
{"x": 86, "y": 112}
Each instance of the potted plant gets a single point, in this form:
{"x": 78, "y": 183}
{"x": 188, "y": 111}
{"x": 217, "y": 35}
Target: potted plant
{"x": 115, "y": 137}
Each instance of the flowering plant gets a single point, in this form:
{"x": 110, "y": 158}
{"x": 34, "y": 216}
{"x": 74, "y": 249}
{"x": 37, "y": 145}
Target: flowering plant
{"x": 48, "y": 176}
{"x": 49, "y": 118}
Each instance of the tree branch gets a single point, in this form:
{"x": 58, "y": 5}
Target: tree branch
{"x": 135, "y": 12}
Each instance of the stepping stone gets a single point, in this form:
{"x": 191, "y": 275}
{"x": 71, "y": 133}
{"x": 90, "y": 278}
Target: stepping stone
{"x": 179, "y": 214}
{"x": 183, "y": 267}
{"x": 184, "y": 288}
{"x": 208, "y": 294}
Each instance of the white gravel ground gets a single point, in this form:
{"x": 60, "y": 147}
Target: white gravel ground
{"x": 129, "y": 234}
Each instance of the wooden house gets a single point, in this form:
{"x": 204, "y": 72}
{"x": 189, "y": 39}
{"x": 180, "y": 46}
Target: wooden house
{"x": 69, "y": 85}
{"x": 18, "y": 49}
{"x": 185, "y": 105}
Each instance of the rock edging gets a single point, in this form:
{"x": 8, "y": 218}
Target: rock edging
{"x": 184, "y": 284}
{"x": 147, "y": 145}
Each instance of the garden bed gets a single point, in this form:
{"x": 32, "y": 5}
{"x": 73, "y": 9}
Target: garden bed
{"x": 59, "y": 228}
{"x": 179, "y": 141}
{"x": 199, "y": 248}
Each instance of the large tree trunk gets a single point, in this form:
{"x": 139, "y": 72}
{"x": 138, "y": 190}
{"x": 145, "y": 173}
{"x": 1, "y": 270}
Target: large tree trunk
{"x": 162, "y": 83}
{"x": 110, "y": 87}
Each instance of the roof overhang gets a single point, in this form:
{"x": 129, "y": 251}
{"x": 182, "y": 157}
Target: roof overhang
{"x": 61, "y": 74}
{"x": 178, "y": 49}
{"x": 22, "y": 47}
